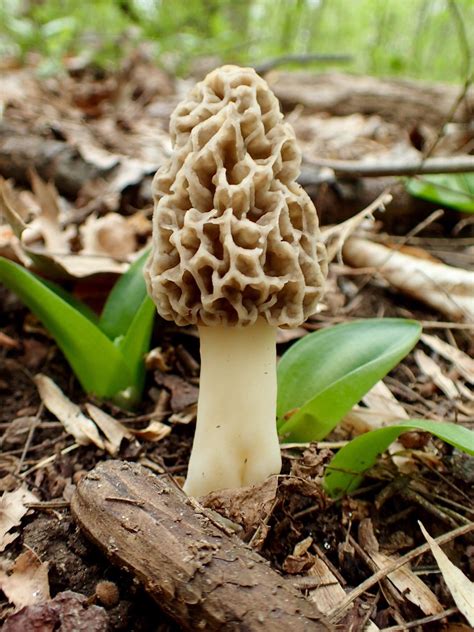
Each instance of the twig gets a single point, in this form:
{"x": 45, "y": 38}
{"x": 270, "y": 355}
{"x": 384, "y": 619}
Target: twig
{"x": 414, "y": 624}
{"x": 376, "y": 577}
{"x": 356, "y": 168}
{"x": 33, "y": 425}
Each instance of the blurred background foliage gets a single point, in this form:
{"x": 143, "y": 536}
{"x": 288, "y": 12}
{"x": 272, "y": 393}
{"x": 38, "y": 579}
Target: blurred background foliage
{"x": 425, "y": 39}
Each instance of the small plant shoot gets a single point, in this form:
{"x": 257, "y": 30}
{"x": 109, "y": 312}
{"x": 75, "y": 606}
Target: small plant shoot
{"x": 106, "y": 353}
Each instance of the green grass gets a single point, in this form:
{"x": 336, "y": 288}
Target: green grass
{"x": 415, "y": 38}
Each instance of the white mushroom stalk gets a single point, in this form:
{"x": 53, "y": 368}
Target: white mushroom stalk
{"x": 236, "y": 440}
{"x": 236, "y": 251}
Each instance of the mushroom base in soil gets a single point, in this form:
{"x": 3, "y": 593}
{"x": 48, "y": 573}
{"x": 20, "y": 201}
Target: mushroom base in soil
{"x": 236, "y": 441}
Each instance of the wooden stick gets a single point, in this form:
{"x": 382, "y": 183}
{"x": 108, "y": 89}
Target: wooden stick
{"x": 199, "y": 573}
{"x": 408, "y": 167}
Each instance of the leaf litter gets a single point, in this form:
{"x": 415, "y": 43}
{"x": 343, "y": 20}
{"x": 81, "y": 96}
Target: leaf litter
{"x": 72, "y": 233}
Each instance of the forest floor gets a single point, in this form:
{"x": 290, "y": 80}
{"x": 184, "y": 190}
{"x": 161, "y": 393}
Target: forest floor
{"x": 100, "y": 138}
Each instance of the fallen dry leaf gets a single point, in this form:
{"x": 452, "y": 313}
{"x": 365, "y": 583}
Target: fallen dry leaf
{"x": 155, "y": 431}
{"x": 460, "y": 587}
{"x": 27, "y": 583}
{"x": 110, "y": 235}
{"x": 463, "y": 363}
{"x": 445, "y": 288}
{"x": 74, "y": 421}
{"x": 112, "y": 429}
{"x": 430, "y": 368}
{"x": 12, "y": 509}
{"x": 247, "y": 506}
{"x": 56, "y": 265}
{"x": 409, "y": 584}
{"x": 47, "y": 222}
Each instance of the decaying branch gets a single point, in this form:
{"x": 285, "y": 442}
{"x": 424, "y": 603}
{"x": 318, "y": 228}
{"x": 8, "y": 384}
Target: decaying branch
{"x": 400, "y": 100}
{"x": 200, "y": 574}
{"x": 405, "y": 167}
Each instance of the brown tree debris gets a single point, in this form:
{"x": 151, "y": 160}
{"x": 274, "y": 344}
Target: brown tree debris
{"x": 198, "y": 573}
{"x": 398, "y": 100}
{"x": 67, "y": 612}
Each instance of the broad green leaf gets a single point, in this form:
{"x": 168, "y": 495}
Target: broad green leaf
{"x": 326, "y": 373}
{"x": 454, "y": 189}
{"x": 136, "y": 343}
{"x": 96, "y": 361}
{"x": 346, "y": 470}
{"x": 78, "y": 305}
{"x": 124, "y": 300}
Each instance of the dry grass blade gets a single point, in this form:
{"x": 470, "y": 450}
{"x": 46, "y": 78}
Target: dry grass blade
{"x": 461, "y": 589}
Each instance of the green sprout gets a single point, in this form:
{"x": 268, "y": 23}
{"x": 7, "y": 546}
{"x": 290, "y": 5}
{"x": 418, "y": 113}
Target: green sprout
{"x": 106, "y": 353}
{"x": 323, "y": 375}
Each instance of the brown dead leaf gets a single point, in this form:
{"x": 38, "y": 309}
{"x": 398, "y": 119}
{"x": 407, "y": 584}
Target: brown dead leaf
{"x": 27, "y": 583}
{"x": 463, "y": 363}
{"x": 110, "y": 235}
{"x": 74, "y": 421}
{"x": 12, "y": 509}
{"x": 445, "y": 288}
{"x": 183, "y": 394}
{"x": 112, "y": 429}
{"x": 430, "y": 368}
{"x": 155, "y": 431}
{"x": 460, "y": 587}
{"x": 47, "y": 222}
{"x": 60, "y": 264}
{"x": 409, "y": 584}
{"x": 249, "y": 506}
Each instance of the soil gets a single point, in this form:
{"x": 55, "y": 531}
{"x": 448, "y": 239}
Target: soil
{"x": 438, "y": 491}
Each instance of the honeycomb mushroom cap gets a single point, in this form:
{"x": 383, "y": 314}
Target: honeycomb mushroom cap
{"x": 234, "y": 236}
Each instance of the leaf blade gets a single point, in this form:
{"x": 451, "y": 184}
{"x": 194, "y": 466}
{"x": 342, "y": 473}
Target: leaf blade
{"x": 346, "y": 470}
{"x": 455, "y": 190}
{"x": 95, "y": 360}
{"x": 124, "y": 300}
{"x": 326, "y": 373}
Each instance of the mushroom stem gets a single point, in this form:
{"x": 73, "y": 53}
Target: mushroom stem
{"x": 236, "y": 441}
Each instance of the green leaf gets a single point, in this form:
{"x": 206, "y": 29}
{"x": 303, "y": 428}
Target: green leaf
{"x": 124, "y": 300}
{"x": 78, "y": 305}
{"x": 136, "y": 343}
{"x": 327, "y": 372}
{"x": 346, "y": 470}
{"x": 455, "y": 190}
{"x": 96, "y": 361}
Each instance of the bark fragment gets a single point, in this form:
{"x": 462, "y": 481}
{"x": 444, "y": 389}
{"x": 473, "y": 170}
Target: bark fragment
{"x": 200, "y": 574}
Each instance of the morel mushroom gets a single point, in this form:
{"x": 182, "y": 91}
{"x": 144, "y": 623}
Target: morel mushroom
{"x": 237, "y": 252}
